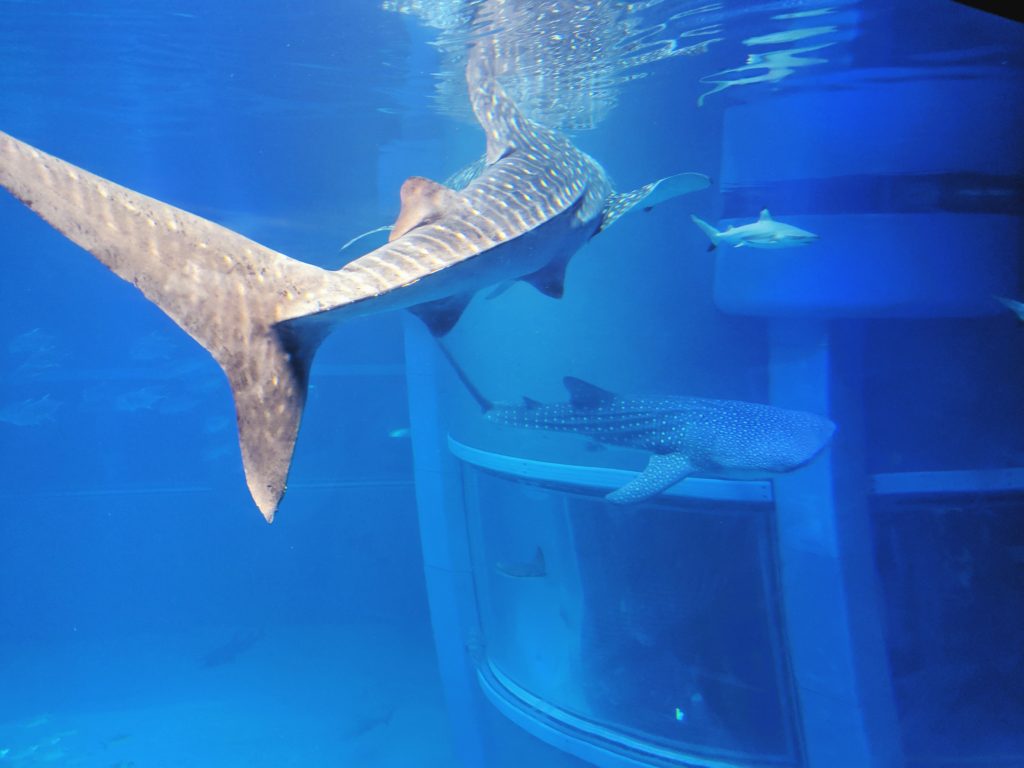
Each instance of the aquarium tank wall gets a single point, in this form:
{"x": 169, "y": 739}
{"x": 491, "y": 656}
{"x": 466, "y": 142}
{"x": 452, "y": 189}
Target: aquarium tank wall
{"x": 628, "y": 384}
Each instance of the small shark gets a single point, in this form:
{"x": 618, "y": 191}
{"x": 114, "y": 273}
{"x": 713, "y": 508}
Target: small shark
{"x": 766, "y": 232}
{"x": 1017, "y": 307}
{"x": 529, "y": 206}
{"x": 685, "y": 435}
{"x": 535, "y": 568}
{"x": 31, "y": 412}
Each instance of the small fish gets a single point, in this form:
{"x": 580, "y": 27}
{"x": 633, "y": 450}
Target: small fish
{"x": 30, "y": 341}
{"x": 142, "y": 399}
{"x": 360, "y": 726}
{"x": 535, "y": 568}
{"x": 31, "y": 413}
{"x": 229, "y": 651}
{"x": 399, "y": 433}
{"x": 153, "y": 347}
{"x": 766, "y": 232}
{"x": 1017, "y": 307}
{"x": 26, "y": 753}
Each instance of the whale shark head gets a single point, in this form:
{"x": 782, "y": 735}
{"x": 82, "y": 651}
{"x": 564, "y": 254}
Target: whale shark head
{"x": 769, "y": 439}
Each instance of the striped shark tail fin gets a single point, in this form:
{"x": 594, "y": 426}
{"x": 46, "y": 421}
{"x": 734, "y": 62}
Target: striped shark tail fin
{"x": 712, "y": 233}
{"x": 244, "y": 303}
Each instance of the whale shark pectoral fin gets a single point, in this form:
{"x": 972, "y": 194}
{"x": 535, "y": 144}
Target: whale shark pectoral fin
{"x": 619, "y": 204}
{"x": 662, "y": 471}
{"x": 423, "y": 201}
{"x": 441, "y": 315}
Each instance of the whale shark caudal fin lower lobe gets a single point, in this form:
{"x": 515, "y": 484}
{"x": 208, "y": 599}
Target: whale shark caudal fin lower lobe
{"x": 243, "y": 302}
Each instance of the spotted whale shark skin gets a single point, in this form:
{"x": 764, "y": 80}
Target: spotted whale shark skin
{"x": 685, "y": 435}
{"x": 535, "y": 200}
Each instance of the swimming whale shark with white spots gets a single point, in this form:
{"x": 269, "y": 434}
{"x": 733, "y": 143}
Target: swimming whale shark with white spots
{"x": 529, "y": 207}
{"x": 684, "y": 435}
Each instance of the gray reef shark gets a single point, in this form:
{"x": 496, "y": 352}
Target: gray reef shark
{"x": 766, "y": 232}
{"x": 685, "y": 435}
{"x": 532, "y": 203}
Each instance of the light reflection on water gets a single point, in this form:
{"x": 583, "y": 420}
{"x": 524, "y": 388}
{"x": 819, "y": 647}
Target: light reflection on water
{"x": 563, "y": 62}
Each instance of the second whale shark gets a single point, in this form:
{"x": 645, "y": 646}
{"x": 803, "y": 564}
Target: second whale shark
{"x": 523, "y": 211}
{"x": 684, "y": 435}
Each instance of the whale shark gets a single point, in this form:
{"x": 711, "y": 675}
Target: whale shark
{"x": 766, "y": 232}
{"x": 534, "y": 201}
{"x": 684, "y": 435}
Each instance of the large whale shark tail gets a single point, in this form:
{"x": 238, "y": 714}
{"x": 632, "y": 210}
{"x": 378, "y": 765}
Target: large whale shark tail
{"x": 712, "y": 233}
{"x": 252, "y": 308}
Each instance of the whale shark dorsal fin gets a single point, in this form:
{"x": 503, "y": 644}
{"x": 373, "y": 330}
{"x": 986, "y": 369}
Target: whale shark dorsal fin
{"x": 621, "y": 203}
{"x": 423, "y": 201}
{"x": 765, "y": 215}
{"x": 662, "y": 471}
{"x": 530, "y": 404}
{"x": 583, "y": 394}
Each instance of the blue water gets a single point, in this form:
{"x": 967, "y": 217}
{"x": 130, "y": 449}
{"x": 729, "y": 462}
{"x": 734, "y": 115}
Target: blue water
{"x": 870, "y": 612}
